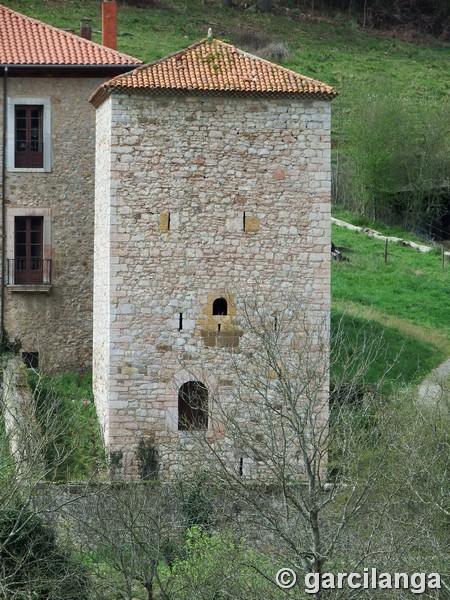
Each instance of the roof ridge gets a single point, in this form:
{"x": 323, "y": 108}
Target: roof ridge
{"x": 72, "y": 36}
{"x": 174, "y": 54}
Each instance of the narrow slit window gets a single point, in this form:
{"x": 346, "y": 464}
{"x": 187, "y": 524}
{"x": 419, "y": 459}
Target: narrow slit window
{"x": 164, "y": 222}
{"x": 243, "y": 221}
{"x": 220, "y": 307}
{"x": 180, "y": 322}
{"x": 192, "y": 406}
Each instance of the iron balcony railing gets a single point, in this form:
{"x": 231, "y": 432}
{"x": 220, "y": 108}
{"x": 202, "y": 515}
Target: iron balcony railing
{"x": 29, "y": 271}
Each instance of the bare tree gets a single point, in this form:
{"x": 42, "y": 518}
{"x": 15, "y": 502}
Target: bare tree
{"x": 145, "y": 534}
{"x": 131, "y": 527}
{"x": 309, "y": 475}
{"x": 419, "y": 467}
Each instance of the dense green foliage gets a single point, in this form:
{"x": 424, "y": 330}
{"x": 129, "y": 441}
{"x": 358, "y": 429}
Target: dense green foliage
{"x": 394, "y": 161}
{"x": 216, "y": 566}
{"x": 75, "y": 449}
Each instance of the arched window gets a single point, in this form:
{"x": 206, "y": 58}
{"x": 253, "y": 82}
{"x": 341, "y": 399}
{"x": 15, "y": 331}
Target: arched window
{"x": 220, "y": 306}
{"x": 192, "y": 406}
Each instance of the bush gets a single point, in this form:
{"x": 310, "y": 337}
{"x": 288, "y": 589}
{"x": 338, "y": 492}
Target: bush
{"x": 33, "y": 565}
{"x": 217, "y": 567}
{"x": 148, "y": 459}
{"x": 262, "y": 45}
{"x": 196, "y": 504}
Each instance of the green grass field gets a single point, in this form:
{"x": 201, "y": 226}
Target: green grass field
{"x": 412, "y": 287}
{"x": 408, "y": 299}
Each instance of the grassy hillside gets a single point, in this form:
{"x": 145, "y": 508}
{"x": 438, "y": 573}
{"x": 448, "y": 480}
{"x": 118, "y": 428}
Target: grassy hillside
{"x": 330, "y": 48}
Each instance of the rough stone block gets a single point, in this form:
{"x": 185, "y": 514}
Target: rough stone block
{"x": 164, "y": 222}
{"x": 252, "y": 223}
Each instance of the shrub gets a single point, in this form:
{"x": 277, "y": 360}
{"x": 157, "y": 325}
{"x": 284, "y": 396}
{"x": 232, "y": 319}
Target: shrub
{"x": 67, "y": 417}
{"x": 262, "y": 45}
{"x": 148, "y": 459}
{"x": 33, "y": 565}
{"x": 216, "y": 567}
{"x": 196, "y": 505}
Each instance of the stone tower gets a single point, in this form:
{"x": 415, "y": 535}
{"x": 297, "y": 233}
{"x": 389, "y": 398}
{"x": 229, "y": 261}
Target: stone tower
{"x": 212, "y": 194}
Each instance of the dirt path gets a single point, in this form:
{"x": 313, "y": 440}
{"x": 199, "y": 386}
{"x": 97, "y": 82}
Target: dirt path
{"x": 436, "y": 385}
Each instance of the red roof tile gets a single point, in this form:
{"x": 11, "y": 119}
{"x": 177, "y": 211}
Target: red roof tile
{"x": 213, "y": 65}
{"x": 25, "y": 41}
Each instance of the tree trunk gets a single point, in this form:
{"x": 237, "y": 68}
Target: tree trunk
{"x": 264, "y": 5}
{"x": 149, "y": 588}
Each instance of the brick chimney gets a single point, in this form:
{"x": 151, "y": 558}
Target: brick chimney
{"x": 109, "y": 24}
{"x": 86, "y": 29}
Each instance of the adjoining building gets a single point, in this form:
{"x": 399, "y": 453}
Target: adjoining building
{"x": 213, "y": 179}
{"x": 47, "y": 133}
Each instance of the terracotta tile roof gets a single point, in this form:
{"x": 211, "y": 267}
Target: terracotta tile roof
{"x": 26, "y": 41}
{"x": 213, "y": 65}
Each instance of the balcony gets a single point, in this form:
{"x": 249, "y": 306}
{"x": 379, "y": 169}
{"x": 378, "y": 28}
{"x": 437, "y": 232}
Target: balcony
{"x": 29, "y": 275}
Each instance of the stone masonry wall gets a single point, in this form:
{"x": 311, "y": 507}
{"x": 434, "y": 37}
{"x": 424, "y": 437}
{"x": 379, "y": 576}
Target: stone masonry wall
{"x": 210, "y": 196}
{"x": 18, "y": 412}
{"x": 58, "y": 324}
{"x": 102, "y": 283}
{"x": 2, "y": 150}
